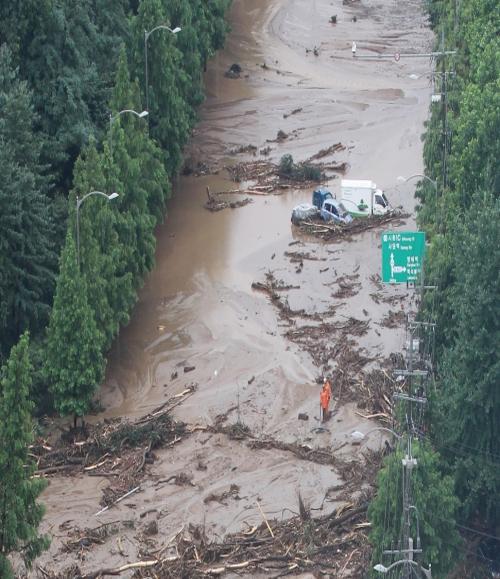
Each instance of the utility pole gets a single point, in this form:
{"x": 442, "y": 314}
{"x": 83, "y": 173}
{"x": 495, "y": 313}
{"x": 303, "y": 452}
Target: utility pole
{"x": 444, "y": 107}
{"x": 419, "y": 356}
{"x": 407, "y": 551}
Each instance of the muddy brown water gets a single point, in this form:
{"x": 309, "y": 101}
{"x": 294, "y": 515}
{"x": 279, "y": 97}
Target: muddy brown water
{"x": 197, "y": 307}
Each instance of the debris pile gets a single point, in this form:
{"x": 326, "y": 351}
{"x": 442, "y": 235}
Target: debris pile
{"x": 334, "y": 544}
{"x": 268, "y": 177}
{"x": 336, "y": 232}
{"x": 216, "y": 203}
{"x": 117, "y": 450}
{"x": 375, "y": 394}
{"x": 197, "y": 168}
{"x": 82, "y": 540}
{"x": 394, "y": 319}
{"x": 234, "y": 71}
{"x": 348, "y": 286}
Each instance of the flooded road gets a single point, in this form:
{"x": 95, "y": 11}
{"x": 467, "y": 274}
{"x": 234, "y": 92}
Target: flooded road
{"x": 197, "y": 308}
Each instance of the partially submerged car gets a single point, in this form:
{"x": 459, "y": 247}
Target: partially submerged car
{"x": 333, "y": 210}
{"x": 323, "y": 205}
{"x": 330, "y": 209}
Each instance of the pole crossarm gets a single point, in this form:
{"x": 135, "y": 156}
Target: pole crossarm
{"x": 410, "y": 373}
{"x": 418, "y": 399}
{"x": 398, "y": 55}
{"x": 401, "y": 551}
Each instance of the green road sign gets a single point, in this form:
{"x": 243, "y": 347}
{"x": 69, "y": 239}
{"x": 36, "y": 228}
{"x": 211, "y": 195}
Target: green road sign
{"x": 402, "y": 256}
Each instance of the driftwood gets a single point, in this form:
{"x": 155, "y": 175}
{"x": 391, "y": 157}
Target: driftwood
{"x": 131, "y": 492}
{"x": 127, "y": 567}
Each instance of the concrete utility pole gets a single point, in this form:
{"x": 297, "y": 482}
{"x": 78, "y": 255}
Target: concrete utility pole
{"x": 407, "y": 550}
{"x": 418, "y": 363}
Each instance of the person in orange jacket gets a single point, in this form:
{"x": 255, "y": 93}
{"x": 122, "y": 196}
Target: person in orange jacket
{"x": 323, "y": 404}
{"x": 324, "y": 399}
{"x": 328, "y": 388}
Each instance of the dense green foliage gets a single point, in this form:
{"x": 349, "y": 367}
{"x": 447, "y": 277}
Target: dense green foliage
{"x": 298, "y": 171}
{"x": 464, "y": 259}
{"x": 462, "y": 220}
{"x": 74, "y": 363}
{"x": 27, "y": 258}
{"x": 20, "y": 514}
{"x": 68, "y": 68}
{"x": 433, "y": 493}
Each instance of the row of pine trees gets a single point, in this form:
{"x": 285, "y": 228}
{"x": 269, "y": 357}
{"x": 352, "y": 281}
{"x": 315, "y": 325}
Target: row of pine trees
{"x": 65, "y": 67}
{"x": 457, "y": 483}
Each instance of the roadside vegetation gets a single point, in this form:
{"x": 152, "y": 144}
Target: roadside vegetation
{"x": 462, "y": 220}
{"x": 67, "y": 69}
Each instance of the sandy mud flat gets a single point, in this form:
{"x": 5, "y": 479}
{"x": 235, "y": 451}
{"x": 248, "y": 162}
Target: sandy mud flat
{"x": 242, "y": 356}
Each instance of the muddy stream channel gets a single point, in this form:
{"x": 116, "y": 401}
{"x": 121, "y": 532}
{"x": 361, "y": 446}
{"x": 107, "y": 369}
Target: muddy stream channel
{"x": 231, "y": 353}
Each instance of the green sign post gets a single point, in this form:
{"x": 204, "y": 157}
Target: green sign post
{"x": 402, "y": 256}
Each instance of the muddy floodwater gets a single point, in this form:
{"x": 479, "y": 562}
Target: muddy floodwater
{"x": 197, "y": 310}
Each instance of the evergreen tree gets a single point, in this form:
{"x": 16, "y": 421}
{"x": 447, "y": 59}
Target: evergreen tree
{"x": 101, "y": 261}
{"x": 432, "y": 495}
{"x": 27, "y": 258}
{"x": 20, "y": 514}
{"x": 170, "y": 115}
{"x": 137, "y": 162}
{"x": 189, "y": 43}
{"x": 467, "y": 421}
{"x": 74, "y": 366}
{"x": 58, "y": 62}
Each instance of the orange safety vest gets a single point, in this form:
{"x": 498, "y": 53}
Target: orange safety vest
{"x": 324, "y": 399}
{"x": 328, "y": 388}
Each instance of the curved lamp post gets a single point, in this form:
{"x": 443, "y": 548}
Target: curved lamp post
{"x": 79, "y": 201}
{"x": 112, "y": 119}
{"x": 382, "y": 569}
{"x": 420, "y": 176}
{"x": 359, "y": 436}
{"x": 147, "y": 34}
{"x": 431, "y": 181}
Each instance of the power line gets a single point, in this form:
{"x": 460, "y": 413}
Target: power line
{"x": 476, "y": 532}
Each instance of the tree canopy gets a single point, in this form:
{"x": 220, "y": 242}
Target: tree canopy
{"x": 20, "y": 513}
{"x": 464, "y": 255}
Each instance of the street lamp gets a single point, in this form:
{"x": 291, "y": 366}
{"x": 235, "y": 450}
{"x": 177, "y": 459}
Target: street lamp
{"x": 79, "y": 201}
{"x": 382, "y": 569}
{"x": 433, "y": 183}
{"x": 146, "y": 36}
{"x": 112, "y": 119}
{"x": 421, "y": 176}
{"x": 359, "y": 436}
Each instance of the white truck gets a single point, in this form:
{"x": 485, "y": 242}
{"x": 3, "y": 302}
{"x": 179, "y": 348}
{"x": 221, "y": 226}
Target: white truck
{"x": 361, "y": 198}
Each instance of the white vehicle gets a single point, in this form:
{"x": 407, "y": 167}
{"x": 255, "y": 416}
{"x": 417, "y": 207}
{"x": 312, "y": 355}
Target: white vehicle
{"x": 361, "y": 198}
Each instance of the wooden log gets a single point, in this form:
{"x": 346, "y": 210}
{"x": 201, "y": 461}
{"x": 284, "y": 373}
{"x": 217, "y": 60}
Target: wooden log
{"x": 52, "y": 469}
{"x": 344, "y": 518}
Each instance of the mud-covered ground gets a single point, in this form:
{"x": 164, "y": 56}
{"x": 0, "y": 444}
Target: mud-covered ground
{"x": 250, "y": 358}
